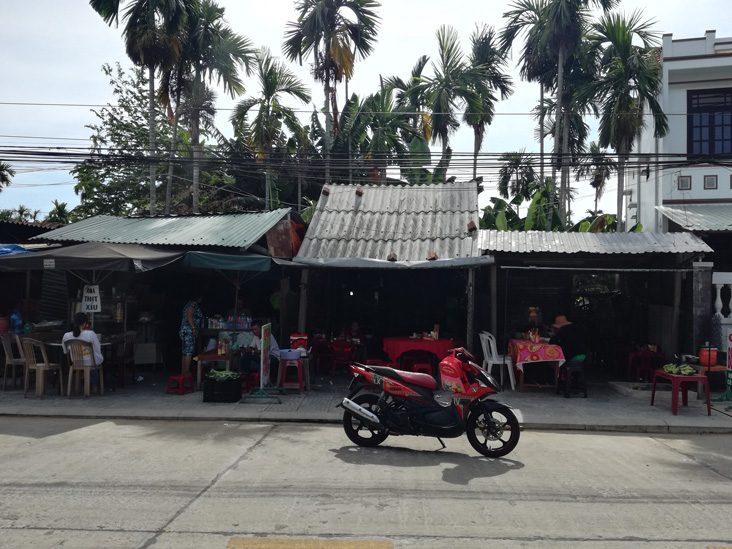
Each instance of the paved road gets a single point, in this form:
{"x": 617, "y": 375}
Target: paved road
{"x": 83, "y": 483}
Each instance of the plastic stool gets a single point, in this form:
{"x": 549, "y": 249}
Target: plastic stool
{"x": 570, "y": 368}
{"x": 282, "y": 381}
{"x": 422, "y": 367}
{"x": 180, "y": 386}
{"x": 244, "y": 382}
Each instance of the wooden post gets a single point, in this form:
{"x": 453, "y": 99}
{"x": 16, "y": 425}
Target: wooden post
{"x": 302, "y": 313}
{"x": 470, "y": 290}
{"x": 494, "y": 299}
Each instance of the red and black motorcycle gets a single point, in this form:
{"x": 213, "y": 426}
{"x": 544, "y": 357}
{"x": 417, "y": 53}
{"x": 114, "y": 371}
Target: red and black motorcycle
{"x": 384, "y": 401}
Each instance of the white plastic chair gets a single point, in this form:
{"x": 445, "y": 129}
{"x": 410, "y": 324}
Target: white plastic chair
{"x": 491, "y": 357}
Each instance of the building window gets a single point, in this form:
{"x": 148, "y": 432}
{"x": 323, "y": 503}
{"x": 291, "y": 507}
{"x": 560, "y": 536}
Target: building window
{"x": 709, "y": 122}
{"x": 710, "y": 181}
{"x": 684, "y": 183}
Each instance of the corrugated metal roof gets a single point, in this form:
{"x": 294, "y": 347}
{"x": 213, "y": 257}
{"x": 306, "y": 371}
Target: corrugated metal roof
{"x": 700, "y": 217}
{"x": 492, "y": 241}
{"x": 230, "y": 230}
{"x": 410, "y": 221}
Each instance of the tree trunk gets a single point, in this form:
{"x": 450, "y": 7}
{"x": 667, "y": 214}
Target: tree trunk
{"x": 171, "y": 158}
{"x": 565, "y": 167}
{"x": 476, "y": 150}
{"x": 328, "y": 130}
{"x": 195, "y": 139}
{"x": 541, "y": 133}
{"x": 151, "y": 127}
{"x": 621, "y": 186}
{"x": 267, "y": 182}
{"x": 299, "y": 186}
{"x": 557, "y": 149}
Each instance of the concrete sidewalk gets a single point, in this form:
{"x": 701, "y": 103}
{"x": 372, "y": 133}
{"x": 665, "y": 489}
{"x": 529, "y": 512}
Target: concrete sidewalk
{"x": 610, "y": 407}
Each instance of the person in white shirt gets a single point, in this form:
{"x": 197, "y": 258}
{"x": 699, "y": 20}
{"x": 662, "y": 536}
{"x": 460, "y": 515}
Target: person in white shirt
{"x": 82, "y": 331}
{"x": 250, "y": 360}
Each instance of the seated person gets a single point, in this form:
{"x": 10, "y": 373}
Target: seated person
{"x": 81, "y": 330}
{"x": 238, "y": 310}
{"x": 569, "y": 337}
{"x": 250, "y": 360}
{"x": 354, "y": 332}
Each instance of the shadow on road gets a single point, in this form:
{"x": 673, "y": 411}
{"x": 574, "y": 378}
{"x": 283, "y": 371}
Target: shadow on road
{"x": 465, "y": 468}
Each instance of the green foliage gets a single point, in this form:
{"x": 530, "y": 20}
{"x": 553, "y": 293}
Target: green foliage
{"x": 113, "y": 180}
{"x": 6, "y": 174}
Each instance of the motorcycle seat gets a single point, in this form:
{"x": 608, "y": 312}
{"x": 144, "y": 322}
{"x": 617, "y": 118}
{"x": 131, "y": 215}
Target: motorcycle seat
{"x": 423, "y": 380}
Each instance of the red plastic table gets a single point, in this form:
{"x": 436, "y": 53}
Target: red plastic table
{"x": 682, "y": 382}
{"x": 396, "y": 346}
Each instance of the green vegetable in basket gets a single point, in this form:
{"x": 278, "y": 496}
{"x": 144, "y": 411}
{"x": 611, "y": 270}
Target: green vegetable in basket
{"x": 221, "y": 375}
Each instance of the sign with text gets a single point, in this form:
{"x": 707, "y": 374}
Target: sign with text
{"x": 90, "y": 300}
{"x": 266, "y": 346}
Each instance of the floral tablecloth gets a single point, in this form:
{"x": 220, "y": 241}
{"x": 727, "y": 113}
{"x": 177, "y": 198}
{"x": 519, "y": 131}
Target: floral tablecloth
{"x": 522, "y": 351}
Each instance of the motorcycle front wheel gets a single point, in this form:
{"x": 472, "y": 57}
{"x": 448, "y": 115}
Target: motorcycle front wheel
{"x": 493, "y": 433}
{"x": 357, "y": 430}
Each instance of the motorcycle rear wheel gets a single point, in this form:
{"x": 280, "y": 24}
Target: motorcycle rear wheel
{"x": 493, "y": 433}
{"x": 357, "y": 430}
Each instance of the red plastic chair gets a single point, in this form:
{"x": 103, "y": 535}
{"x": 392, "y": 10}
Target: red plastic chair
{"x": 641, "y": 364}
{"x": 341, "y": 354}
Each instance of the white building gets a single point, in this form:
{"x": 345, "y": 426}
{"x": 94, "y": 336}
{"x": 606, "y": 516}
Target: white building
{"x": 680, "y": 182}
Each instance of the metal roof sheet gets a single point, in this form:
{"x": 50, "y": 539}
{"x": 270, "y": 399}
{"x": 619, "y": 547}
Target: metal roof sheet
{"x": 410, "y": 221}
{"x": 230, "y": 230}
{"x": 492, "y": 241}
{"x": 700, "y": 217}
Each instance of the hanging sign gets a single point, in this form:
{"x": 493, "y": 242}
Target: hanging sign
{"x": 49, "y": 263}
{"x": 90, "y": 300}
{"x": 266, "y": 346}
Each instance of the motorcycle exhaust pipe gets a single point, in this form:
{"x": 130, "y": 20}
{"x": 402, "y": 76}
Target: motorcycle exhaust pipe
{"x": 369, "y": 417}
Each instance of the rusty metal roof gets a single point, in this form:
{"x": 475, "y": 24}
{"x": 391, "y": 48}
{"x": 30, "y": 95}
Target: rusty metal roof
{"x": 227, "y": 230}
{"x": 492, "y": 241}
{"x": 700, "y": 217}
{"x": 371, "y": 222}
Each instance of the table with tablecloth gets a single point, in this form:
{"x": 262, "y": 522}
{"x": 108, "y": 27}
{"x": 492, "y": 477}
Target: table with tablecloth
{"x": 523, "y": 351}
{"x": 396, "y": 346}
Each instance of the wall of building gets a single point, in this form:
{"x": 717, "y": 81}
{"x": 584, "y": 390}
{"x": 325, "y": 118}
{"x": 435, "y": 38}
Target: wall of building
{"x": 688, "y": 64}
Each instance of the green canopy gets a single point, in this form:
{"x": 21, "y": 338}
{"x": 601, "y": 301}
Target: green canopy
{"x": 227, "y": 262}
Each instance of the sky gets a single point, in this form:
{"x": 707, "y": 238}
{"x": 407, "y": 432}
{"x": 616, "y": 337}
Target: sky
{"x": 52, "y": 51}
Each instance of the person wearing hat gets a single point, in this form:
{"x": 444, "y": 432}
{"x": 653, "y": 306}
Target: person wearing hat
{"x": 569, "y": 337}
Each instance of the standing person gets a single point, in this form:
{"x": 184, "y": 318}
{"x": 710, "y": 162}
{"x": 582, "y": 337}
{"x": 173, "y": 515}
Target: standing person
{"x": 569, "y": 337}
{"x": 81, "y": 330}
{"x": 251, "y": 359}
{"x": 189, "y": 326}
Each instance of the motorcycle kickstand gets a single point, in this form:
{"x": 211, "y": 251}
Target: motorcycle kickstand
{"x": 443, "y": 444}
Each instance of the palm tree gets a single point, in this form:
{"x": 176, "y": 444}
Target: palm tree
{"x": 454, "y": 85}
{"x": 152, "y": 39}
{"x": 214, "y": 52}
{"x": 389, "y": 128}
{"x": 598, "y": 166}
{"x": 335, "y": 33}
{"x": 490, "y": 61}
{"x": 564, "y": 26}
{"x": 23, "y": 213}
{"x": 630, "y": 81}
{"x": 6, "y": 174}
{"x": 410, "y": 96}
{"x": 517, "y": 176}
{"x": 265, "y": 129}
{"x": 527, "y": 17}
{"x": 59, "y": 213}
